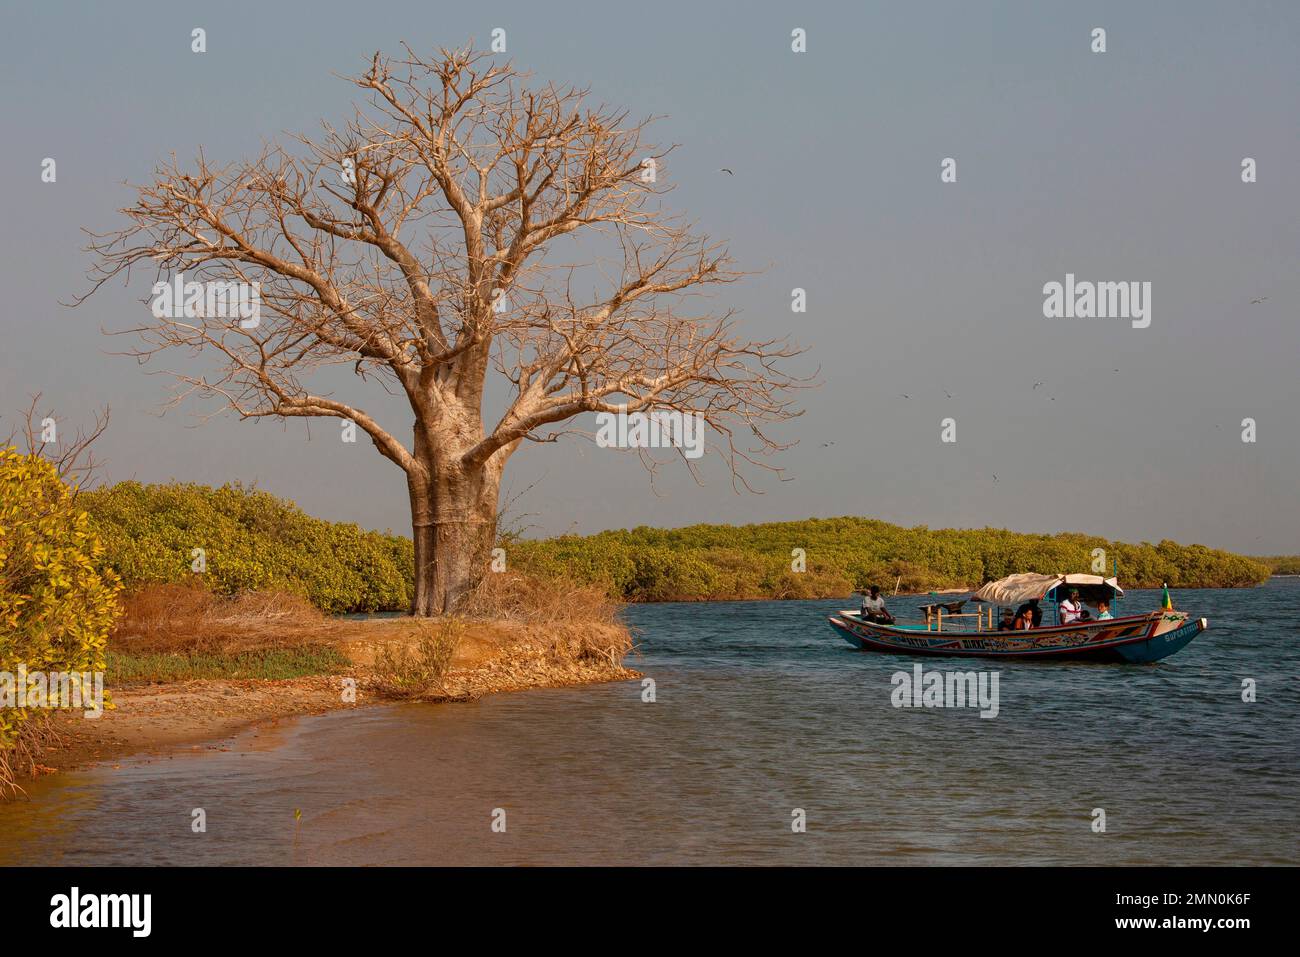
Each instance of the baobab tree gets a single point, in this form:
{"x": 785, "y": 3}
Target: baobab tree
{"x": 445, "y": 233}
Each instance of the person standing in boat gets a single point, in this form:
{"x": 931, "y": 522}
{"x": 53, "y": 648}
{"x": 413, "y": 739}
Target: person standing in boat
{"x": 873, "y": 607}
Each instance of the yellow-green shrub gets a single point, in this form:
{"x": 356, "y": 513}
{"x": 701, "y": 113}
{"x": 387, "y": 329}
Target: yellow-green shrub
{"x": 56, "y": 602}
{"x": 251, "y": 540}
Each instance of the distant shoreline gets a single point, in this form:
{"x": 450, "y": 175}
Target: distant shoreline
{"x": 902, "y": 593}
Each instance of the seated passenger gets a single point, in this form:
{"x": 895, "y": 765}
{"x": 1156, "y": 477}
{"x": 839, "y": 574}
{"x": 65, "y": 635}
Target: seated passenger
{"x": 873, "y": 608}
{"x": 1033, "y": 615}
{"x": 1103, "y": 610}
{"x": 1072, "y": 609}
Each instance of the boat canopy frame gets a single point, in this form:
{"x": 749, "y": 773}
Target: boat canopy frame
{"x": 1015, "y": 590}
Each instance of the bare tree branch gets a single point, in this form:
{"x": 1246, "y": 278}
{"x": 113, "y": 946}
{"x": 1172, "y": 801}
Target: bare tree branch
{"x": 438, "y": 234}
{"x": 73, "y": 458}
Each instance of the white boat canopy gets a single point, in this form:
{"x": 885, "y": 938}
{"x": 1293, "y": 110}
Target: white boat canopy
{"x": 1028, "y": 586}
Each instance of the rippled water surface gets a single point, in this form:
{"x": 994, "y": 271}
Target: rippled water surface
{"x": 759, "y": 710}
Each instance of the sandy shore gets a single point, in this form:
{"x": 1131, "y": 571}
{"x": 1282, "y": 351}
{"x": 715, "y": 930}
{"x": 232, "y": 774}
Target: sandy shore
{"x": 159, "y": 718}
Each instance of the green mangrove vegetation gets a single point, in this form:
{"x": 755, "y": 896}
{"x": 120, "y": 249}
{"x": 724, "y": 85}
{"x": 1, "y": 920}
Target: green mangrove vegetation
{"x": 711, "y": 562}
{"x": 241, "y": 539}
{"x": 1281, "y": 564}
{"x": 253, "y": 540}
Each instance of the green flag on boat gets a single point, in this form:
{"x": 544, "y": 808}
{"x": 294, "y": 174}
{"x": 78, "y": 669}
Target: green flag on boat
{"x": 1166, "y": 601}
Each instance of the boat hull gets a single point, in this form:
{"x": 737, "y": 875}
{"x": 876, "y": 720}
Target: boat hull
{"x": 1137, "y": 639}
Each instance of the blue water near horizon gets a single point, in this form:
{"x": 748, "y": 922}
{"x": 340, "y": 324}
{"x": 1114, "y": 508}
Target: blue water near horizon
{"x": 760, "y": 709}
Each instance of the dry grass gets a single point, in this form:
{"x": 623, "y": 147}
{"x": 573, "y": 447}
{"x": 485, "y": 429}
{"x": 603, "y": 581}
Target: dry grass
{"x": 512, "y": 632}
{"x": 606, "y": 643}
{"x": 402, "y": 671}
{"x": 160, "y": 619}
{"x": 510, "y": 596}
{"x": 185, "y": 632}
{"x": 507, "y": 614}
{"x": 568, "y": 623}
{"x": 163, "y": 619}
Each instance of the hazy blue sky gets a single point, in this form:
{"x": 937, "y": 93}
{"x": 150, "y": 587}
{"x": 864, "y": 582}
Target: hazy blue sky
{"x": 1116, "y": 166}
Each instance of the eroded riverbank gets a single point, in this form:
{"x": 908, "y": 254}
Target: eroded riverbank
{"x": 490, "y": 658}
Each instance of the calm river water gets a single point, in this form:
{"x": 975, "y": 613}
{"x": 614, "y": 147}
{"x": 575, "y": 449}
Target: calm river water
{"x": 759, "y": 710}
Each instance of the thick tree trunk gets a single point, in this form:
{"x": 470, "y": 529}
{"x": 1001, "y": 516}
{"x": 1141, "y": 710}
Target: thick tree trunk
{"x": 422, "y": 534}
{"x": 454, "y": 529}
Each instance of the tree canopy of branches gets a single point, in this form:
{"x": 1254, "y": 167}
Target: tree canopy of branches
{"x": 434, "y": 240}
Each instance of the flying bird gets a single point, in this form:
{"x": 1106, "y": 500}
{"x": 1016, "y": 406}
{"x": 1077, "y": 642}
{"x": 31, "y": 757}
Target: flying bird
{"x": 947, "y": 393}
{"x": 1036, "y": 385}
{"x": 904, "y": 395}
{"x": 1259, "y": 300}
{"x": 727, "y": 171}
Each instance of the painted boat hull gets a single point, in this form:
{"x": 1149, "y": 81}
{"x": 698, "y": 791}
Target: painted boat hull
{"x": 1137, "y": 639}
